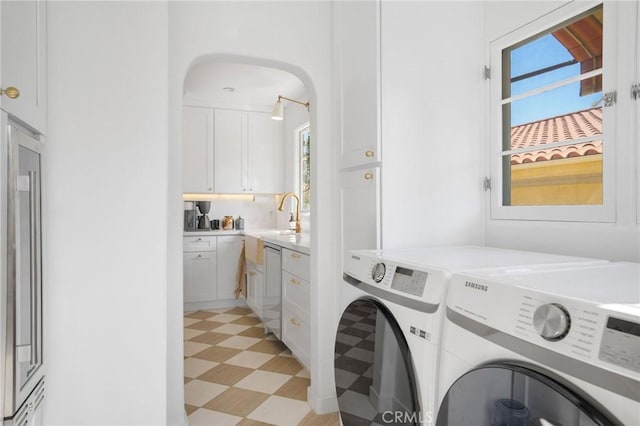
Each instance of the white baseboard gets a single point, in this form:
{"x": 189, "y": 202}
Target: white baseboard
{"x": 322, "y": 405}
{"x": 213, "y": 304}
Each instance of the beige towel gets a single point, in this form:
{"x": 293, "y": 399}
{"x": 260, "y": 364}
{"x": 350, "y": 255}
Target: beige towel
{"x": 241, "y": 276}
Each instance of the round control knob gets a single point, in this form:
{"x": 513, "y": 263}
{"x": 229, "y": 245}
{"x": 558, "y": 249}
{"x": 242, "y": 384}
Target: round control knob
{"x": 378, "y": 271}
{"x": 552, "y": 321}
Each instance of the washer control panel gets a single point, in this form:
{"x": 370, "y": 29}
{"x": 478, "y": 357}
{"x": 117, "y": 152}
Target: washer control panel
{"x": 621, "y": 343}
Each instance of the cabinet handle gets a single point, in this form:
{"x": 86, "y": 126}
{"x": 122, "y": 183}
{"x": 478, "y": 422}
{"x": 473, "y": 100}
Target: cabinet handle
{"x": 11, "y": 92}
{"x": 294, "y": 322}
{"x": 251, "y": 274}
{"x": 295, "y": 255}
{"x": 199, "y": 256}
{"x": 369, "y": 154}
{"x": 368, "y": 176}
{"x": 199, "y": 239}
{"x": 294, "y": 281}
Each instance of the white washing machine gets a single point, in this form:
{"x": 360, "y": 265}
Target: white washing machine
{"x": 387, "y": 343}
{"x": 542, "y": 348}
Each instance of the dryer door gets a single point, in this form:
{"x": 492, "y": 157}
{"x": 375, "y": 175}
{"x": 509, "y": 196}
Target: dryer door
{"x": 375, "y": 378}
{"x": 516, "y": 395}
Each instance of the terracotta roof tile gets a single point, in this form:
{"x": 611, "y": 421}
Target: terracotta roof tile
{"x": 562, "y": 128}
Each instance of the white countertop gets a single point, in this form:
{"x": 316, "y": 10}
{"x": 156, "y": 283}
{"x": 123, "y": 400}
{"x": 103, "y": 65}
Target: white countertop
{"x": 287, "y": 239}
{"x": 212, "y": 233}
{"x": 298, "y": 242}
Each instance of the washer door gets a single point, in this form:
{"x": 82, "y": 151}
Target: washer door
{"x": 515, "y": 395}
{"x": 375, "y": 378}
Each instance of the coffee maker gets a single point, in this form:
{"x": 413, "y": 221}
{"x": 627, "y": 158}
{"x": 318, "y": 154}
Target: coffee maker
{"x": 203, "y": 218}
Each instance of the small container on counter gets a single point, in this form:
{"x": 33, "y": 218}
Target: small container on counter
{"x": 227, "y": 223}
{"x": 239, "y": 223}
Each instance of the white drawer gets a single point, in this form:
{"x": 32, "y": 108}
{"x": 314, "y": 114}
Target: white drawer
{"x": 295, "y": 294}
{"x": 201, "y": 243}
{"x": 296, "y": 335}
{"x": 295, "y": 262}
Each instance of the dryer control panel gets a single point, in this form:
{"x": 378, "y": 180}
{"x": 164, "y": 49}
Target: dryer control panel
{"x": 558, "y": 311}
{"x": 621, "y": 343}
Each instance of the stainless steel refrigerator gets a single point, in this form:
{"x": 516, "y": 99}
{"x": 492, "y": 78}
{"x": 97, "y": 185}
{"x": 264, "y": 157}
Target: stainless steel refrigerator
{"x": 22, "y": 274}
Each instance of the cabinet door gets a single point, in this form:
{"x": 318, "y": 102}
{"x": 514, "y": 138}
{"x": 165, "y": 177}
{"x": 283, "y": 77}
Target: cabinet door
{"x": 24, "y": 60}
{"x": 360, "y": 209}
{"x": 264, "y": 153}
{"x": 229, "y": 249}
{"x": 358, "y": 24}
{"x": 197, "y": 149}
{"x": 255, "y": 288}
{"x": 230, "y": 139}
{"x": 199, "y": 276}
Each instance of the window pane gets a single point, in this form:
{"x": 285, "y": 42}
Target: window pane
{"x": 305, "y": 168}
{"x": 539, "y": 174}
{"x": 568, "y": 175}
{"x": 569, "y": 50}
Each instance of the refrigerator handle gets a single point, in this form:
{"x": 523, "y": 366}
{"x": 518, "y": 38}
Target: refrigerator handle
{"x": 33, "y": 187}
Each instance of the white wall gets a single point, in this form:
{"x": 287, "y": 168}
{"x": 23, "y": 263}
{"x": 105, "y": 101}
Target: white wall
{"x": 295, "y": 37}
{"x": 432, "y": 123}
{"x": 105, "y": 293}
{"x": 619, "y": 240}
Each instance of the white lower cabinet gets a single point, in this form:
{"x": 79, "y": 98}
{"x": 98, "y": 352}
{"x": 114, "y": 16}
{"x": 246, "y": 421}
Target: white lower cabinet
{"x": 296, "y": 304}
{"x": 199, "y": 277}
{"x": 228, "y": 255}
{"x": 209, "y": 271}
{"x": 255, "y": 288}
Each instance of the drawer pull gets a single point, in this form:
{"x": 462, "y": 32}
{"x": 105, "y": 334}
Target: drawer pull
{"x": 199, "y": 239}
{"x": 294, "y": 322}
{"x": 251, "y": 274}
{"x": 199, "y": 256}
{"x": 294, "y": 281}
{"x": 295, "y": 256}
{"x": 368, "y": 153}
{"x": 368, "y": 176}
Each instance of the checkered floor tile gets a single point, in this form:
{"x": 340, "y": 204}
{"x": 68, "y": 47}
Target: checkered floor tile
{"x": 235, "y": 374}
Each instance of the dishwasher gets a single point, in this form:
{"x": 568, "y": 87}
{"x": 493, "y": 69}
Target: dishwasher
{"x": 272, "y": 295}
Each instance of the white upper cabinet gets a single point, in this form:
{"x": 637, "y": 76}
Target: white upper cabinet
{"x": 24, "y": 60}
{"x": 229, "y": 141}
{"x": 358, "y": 35}
{"x": 231, "y": 151}
{"x": 197, "y": 149}
{"x": 264, "y": 153}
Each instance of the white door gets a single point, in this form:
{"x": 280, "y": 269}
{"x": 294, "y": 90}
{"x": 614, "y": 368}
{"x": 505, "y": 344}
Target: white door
{"x": 263, "y": 153}
{"x": 360, "y": 209}
{"x": 197, "y": 149}
{"x": 229, "y": 147}
{"x": 24, "y": 60}
{"x": 199, "y": 276}
{"x": 229, "y": 248}
{"x": 359, "y": 57}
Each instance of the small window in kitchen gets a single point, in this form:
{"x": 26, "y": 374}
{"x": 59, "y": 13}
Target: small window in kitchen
{"x": 304, "y": 149}
{"x": 548, "y": 98}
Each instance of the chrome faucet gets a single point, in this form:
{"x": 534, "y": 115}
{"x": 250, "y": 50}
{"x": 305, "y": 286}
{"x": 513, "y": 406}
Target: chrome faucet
{"x": 281, "y": 207}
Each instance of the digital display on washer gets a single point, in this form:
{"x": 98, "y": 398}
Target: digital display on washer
{"x": 624, "y": 326}
{"x": 409, "y": 281}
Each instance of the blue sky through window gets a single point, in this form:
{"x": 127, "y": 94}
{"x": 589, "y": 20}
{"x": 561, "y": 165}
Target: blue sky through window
{"x": 540, "y": 53}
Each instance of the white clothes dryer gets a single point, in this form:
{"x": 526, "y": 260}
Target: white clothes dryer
{"x": 547, "y": 347}
{"x": 387, "y": 342}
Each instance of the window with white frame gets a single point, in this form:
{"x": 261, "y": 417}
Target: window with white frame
{"x": 304, "y": 166}
{"x": 552, "y": 133}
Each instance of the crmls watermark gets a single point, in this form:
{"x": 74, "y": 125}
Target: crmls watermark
{"x": 406, "y": 417}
